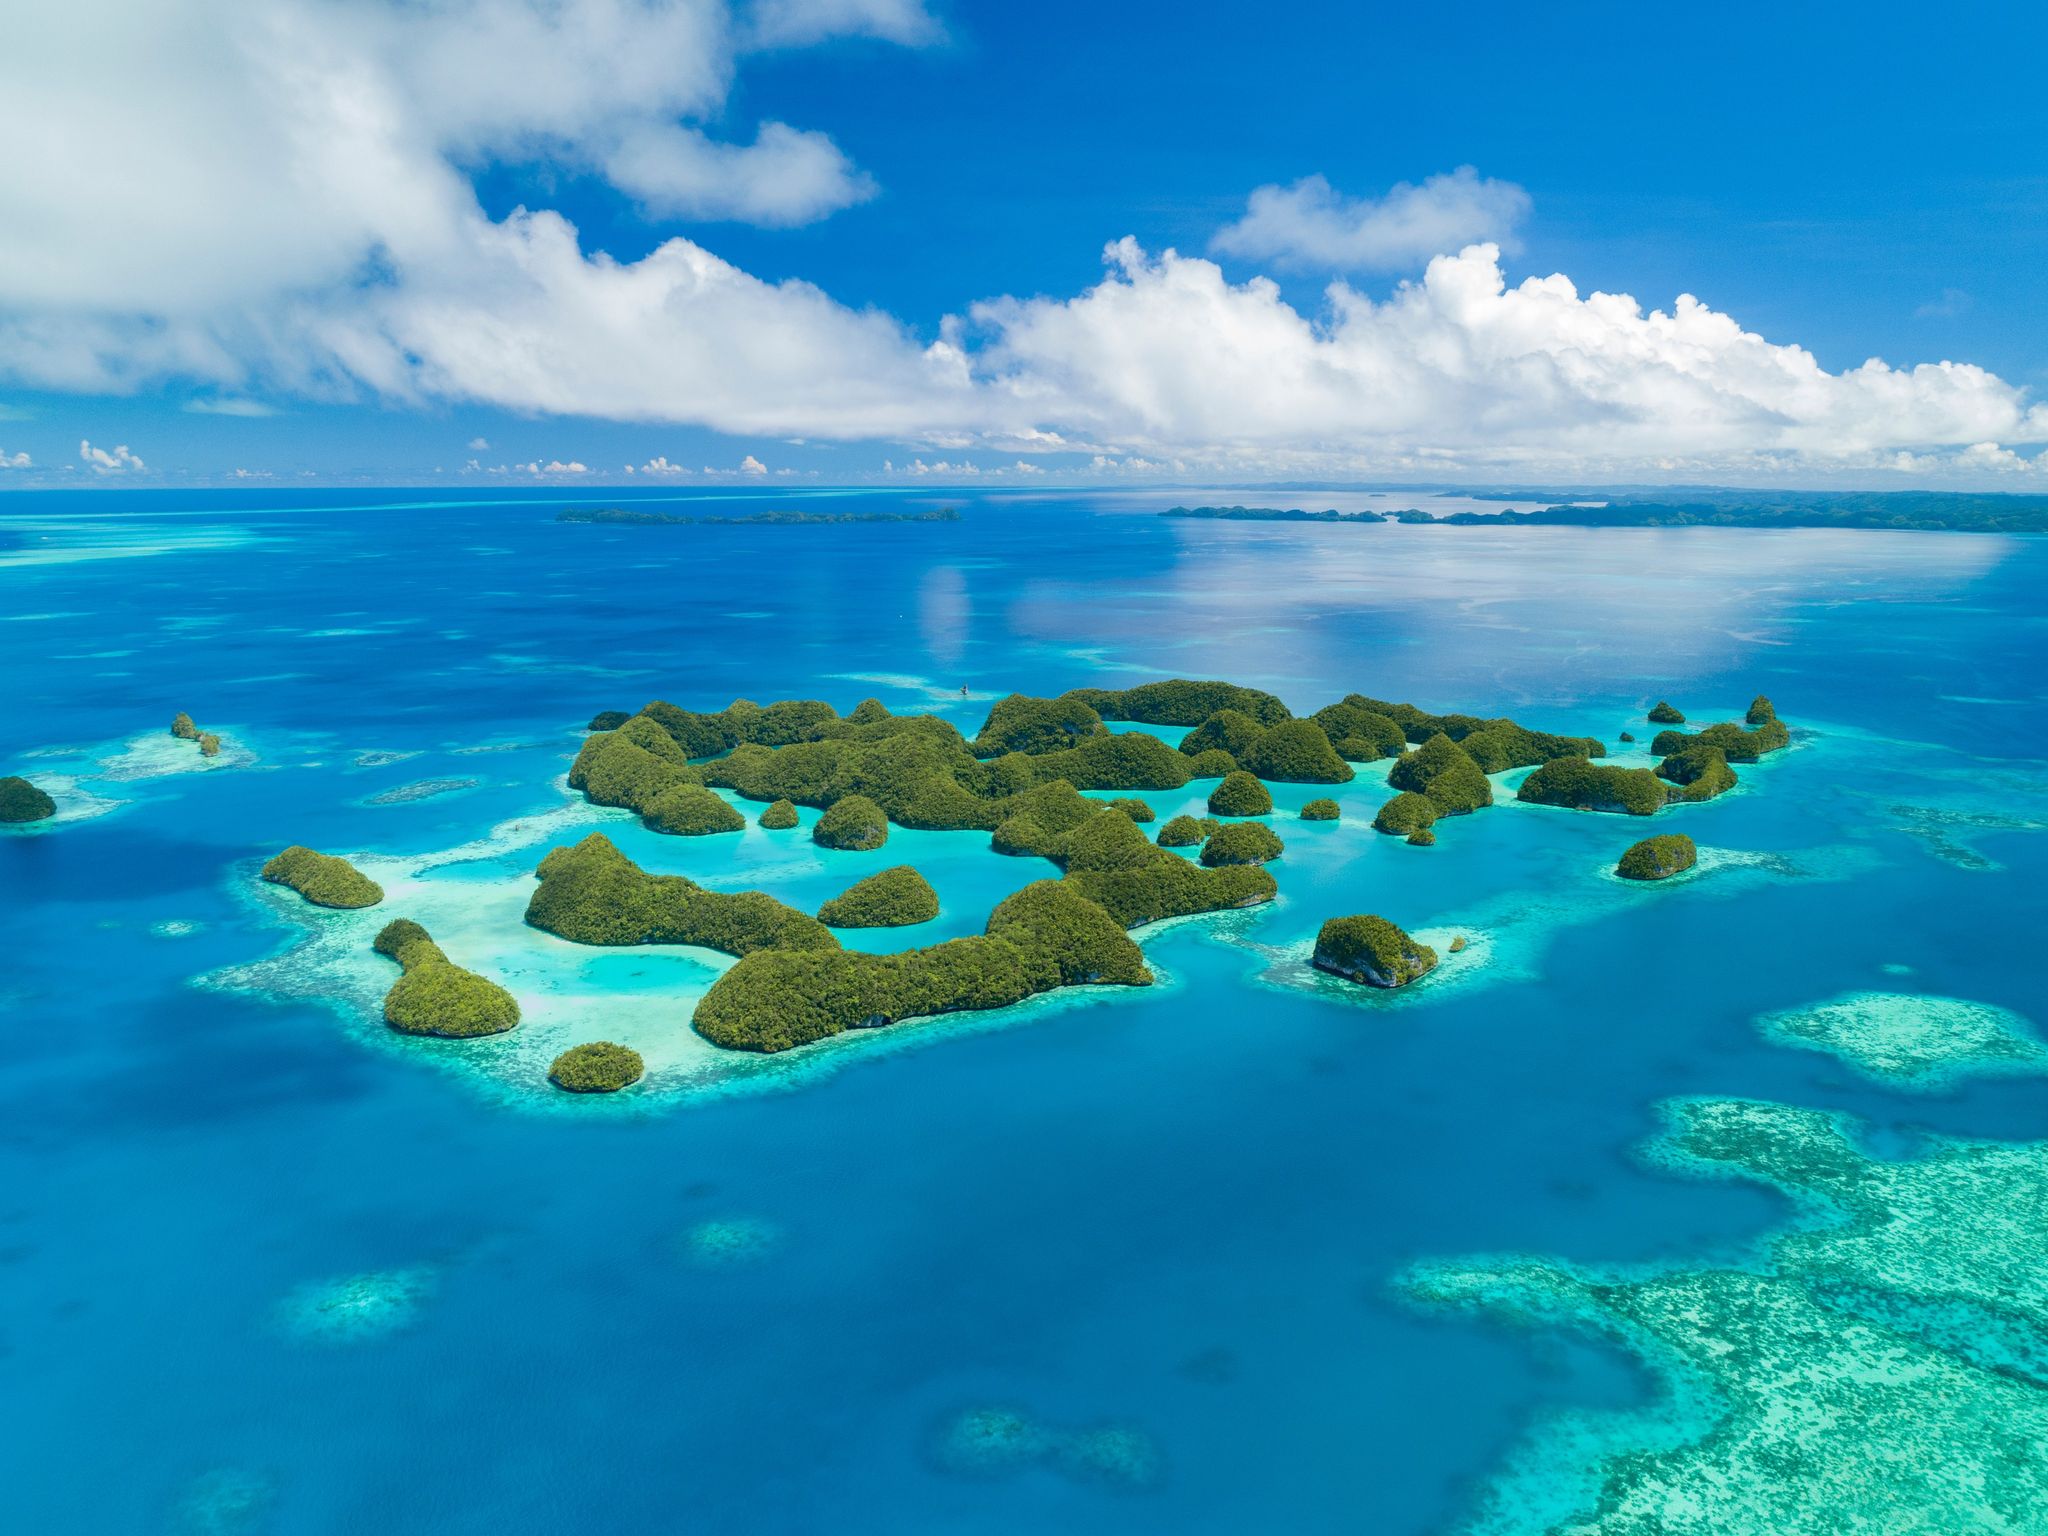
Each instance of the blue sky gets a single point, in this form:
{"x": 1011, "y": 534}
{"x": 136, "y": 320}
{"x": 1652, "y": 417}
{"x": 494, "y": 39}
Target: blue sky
{"x": 303, "y": 220}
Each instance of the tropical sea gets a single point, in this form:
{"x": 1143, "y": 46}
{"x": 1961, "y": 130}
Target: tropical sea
{"x": 1115, "y": 1260}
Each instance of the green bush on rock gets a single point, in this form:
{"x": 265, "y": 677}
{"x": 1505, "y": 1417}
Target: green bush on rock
{"x": 854, "y": 823}
{"x": 779, "y": 817}
{"x": 691, "y": 810}
{"x": 1240, "y": 794}
{"x": 1371, "y": 951}
{"x": 1581, "y": 785}
{"x": 1045, "y": 936}
{"x": 1241, "y": 842}
{"x": 1321, "y": 810}
{"x": 183, "y": 727}
{"x": 1446, "y": 773}
{"x": 1407, "y": 813}
{"x": 22, "y": 801}
{"x": 1658, "y": 858}
{"x": 891, "y": 898}
{"x": 435, "y": 996}
{"x": 593, "y": 894}
{"x": 596, "y": 1067}
{"x": 322, "y": 879}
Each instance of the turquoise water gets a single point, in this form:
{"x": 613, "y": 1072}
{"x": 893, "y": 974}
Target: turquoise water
{"x": 1112, "y": 1261}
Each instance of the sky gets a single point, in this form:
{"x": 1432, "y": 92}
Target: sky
{"x": 679, "y": 242}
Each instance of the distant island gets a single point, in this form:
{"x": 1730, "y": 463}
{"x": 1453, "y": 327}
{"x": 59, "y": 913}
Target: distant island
{"x": 630, "y": 518}
{"x": 1917, "y": 511}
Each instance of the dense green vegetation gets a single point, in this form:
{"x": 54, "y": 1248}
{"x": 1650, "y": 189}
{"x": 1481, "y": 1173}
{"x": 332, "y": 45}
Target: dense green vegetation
{"x": 1045, "y": 936}
{"x": 854, "y": 823}
{"x": 1658, "y": 858}
{"x": 596, "y": 1067}
{"x": 1242, "y": 842}
{"x": 594, "y": 894}
{"x": 1422, "y": 837}
{"x": 1360, "y": 735}
{"x": 1406, "y": 814}
{"x": 1496, "y": 744}
{"x": 435, "y": 996}
{"x": 22, "y": 801}
{"x": 1321, "y": 810}
{"x": 1112, "y": 863}
{"x": 1661, "y": 713}
{"x": 891, "y": 898}
{"x": 1289, "y": 752}
{"x": 1240, "y": 794}
{"x": 322, "y": 879}
{"x": 1760, "y": 711}
{"x": 1446, "y": 773}
{"x": 183, "y": 728}
{"x": 607, "y": 720}
{"x": 1021, "y": 723}
{"x": 1228, "y": 730}
{"x": 1138, "y": 810}
{"x": 1371, "y": 951}
{"x": 209, "y": 744}
{"x": 691, "y": 810}
{"x": 779, "y": 817}
{"x": 1212, "y": 764}
{"x": 1700, "y": 773}
{"x": 1587, "y": 786}
{"x": 1188, "y": 831}
{"x": 1735, "y": 743}
{"x": 1180, "y": 701}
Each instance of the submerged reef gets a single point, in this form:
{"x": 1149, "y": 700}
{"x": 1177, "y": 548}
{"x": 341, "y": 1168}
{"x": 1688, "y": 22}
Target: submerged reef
{"x": 891, "y": 898}
{"x": 1878, "y": 1366}
{"x": 435, "y": 996}
{"x": 597, "y": 1066}
{"x": 1002, "y": 1442}
{"x": 22, "y": 801}
{"x": 1240, "y": 794}
{"x": 1321, "y": 810}
{"x": 1658, "y": 858}
{"x": 1585, "y": 786}
{"x": 1913, "y": 1042}
{"x": 1045, "y": 936}
{"x": 593, "y": 894}
{"x": 1371, "y": 951}
{"x": 323, "y": 879}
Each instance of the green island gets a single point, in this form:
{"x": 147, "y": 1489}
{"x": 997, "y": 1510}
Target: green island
{"x": 323, "y": 879}
{"x": 853, "y": 823}
{"x": 1188, "y": 831}
{"x": 1240, "y": 794}
{"x": 1662, "y": 713}
{"x": 1408, "y": 814}
{"x": 1242, "y": 842}
{"x": 435, "y": 996}
{"x": 780, "y": 816}
{"x": 630, "y": 518}
{"x": 1321, "y": 810}
{"x": 597, "y": 1066}
{"x": 1138, "y": 810}
{"x": 890, "y": 898}
{"x": 1581, "y": 785}
{"x": 1658, "y": 858}
{"x": 691, "y": 810}
{"x": 1372, "y": 952}
{"x": 183, "y": 728}
{"x": 1877, "y": 1366}
{"x": 593, "y": 894}
{"x": 21, "y": 801}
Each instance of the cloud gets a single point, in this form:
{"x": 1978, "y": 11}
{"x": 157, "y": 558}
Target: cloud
{"x": 230, "y": 407}
{"x": 660, "y": 468}
{"x": 554, "y": 467}
{"x": 752, "y": 466}
{"x": 14, "y": 461}
{"x": 1310, "y": 224}
{"x": 478, "y": 445}
{"x": 786, "y": 176}
{"x": 119, "y": 462}
{"x": 1953, "y": 302}
{"x": 793, "y": 23}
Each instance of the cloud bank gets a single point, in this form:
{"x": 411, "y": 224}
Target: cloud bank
{"x": 304, "y": 168}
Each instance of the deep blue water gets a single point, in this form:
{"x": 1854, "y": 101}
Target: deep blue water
{"x": 1178, "y": 1212}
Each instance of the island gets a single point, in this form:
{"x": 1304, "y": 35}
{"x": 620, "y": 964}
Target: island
{"x": 1240, "y": 794}
{"x": 892, "y": 898}
{"x": 1321, "y": 810}
{"x": 593, "y": 894}
{"x": 1372, "y": 952}
{"x": 1406, "y": 815}
{"x": 183, "y": 728}
{"x": 21, "y": 801}
{"x": 780, "y": 816}
{"x": 854, "y": 823}
{"x": 1188, "y": 831}
{"x": 596, "y": 1067}
{"x": 1444, "y": 773}
{"x": 1241, "y": 842}
{"x": 323, "y": 879}
{"x": 1662, "y": 713}
{"x": 1581, "y": 785}
{"x": 435, "y": 996}
{"x": 1658, "y": 858}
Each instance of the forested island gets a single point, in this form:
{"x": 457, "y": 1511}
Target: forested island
{"x": 633, "y": 518}
{"x": 1690, "y": 507}
{"x": 1044, "y": 778}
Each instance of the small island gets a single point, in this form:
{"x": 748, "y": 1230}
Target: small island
{"x": 1188, "y": 831}
{"x": 1658, "y": 858}
{"x": 323, "y": 879}
{"x": 1372, "y": 952}
{"x": 1662, "y": 713}
{"x": 1321, "y": 810}
{"x": 892, "y": 898}
{"x": 780, "y": 816}
{"x": 21, "y": 801}
{"x": 1242, "y": 842}
{"x": 1240, "y": 794}
{"x": 854, "y": 823}
{"x": 596, "y": 1067}
{"x": 435, "y": 996}
{"x": 1580, "y": 785}
{"x": 183, "y": 728}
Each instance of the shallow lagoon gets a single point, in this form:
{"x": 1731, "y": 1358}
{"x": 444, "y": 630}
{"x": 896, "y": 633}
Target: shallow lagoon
{"x": 1173, "y": 1225}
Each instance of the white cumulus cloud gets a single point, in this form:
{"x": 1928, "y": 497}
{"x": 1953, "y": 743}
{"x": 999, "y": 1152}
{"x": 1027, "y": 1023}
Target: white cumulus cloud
{"x": 101, "y": 462}
{"x": 752, "y": 466}
{"x": 1311, "y": 224}
{"x": 14, "y": 460}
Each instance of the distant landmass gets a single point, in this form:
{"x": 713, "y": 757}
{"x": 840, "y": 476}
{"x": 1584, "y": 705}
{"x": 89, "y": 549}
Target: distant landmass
{"x": 751, "y": 519}
{"x": 1931, "y": 511}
